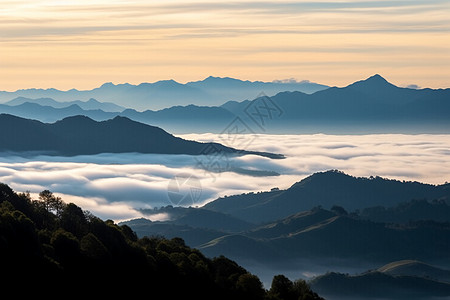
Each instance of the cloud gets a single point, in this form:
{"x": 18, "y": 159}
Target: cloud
{"x": 334, "y": 43}
{"x": 116, "y": 186}
{"x": 164, "y": 20}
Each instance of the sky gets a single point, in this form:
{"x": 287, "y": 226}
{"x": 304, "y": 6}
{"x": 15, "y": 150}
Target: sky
{"x": 117, "y": 186}
{"x": 82, "y": 44}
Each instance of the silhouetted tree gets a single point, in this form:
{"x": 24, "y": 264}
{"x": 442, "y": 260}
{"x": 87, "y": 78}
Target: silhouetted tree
{"x": 250, "y": 285}
{"x": 303, "y": 291}
{"x": 51, "y": 202}
{"x": 72, "y": 247}
{"x": 281, "y": 288}
{"x": 73, "y": 220}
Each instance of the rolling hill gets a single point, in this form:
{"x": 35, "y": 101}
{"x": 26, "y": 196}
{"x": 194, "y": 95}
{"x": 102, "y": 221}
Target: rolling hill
{"x": 415, "y": 268}
{"x": 381, "y": 284}
{"x": 321, "y": 236}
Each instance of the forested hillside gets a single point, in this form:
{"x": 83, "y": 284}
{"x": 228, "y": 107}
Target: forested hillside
{"x": 55, "y": 246}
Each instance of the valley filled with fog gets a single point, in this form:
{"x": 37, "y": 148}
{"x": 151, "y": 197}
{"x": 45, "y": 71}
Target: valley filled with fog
{"x": 117, "y": 186}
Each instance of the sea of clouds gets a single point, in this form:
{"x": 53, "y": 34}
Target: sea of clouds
{"x": 117, "y": 186}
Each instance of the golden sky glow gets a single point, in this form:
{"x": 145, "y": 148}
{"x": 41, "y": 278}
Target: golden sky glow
{"x": 82, "y": 44}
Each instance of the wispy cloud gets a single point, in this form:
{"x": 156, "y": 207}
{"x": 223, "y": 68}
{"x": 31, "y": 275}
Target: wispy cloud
{"x": 333, "y": 43}
{"x": 262, "y": 17}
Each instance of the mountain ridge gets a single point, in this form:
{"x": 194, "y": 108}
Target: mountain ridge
{"x": 77, "y": 135}
{"x": 372, "y": 105}
{"x": 326, "y": 189}
{"x": 166, "y": 93}
{"x": 91, "y": 104}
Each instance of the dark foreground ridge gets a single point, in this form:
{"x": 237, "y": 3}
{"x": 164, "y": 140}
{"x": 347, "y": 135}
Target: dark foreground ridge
{"x": 49, "y": 247}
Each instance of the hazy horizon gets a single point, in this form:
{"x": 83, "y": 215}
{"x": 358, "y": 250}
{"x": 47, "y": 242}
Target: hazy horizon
{"x": 82, "y": 44}
{"x": 276, "y": 80}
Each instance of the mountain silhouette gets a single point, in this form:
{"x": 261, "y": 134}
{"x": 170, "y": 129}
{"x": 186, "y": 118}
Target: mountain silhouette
{"x": 81, "y": 135}
{"x": 326, "y": 189}
{"x": 372, "y": 105}
{"x": 182, "y": 119}
{"x": 212, "y": 91}
{"x": 366, "y": 106}
{"x": 275, "y": 231}
{"x": 315, "y": 235}
{"x": 50, "y": 114}
{"x": 373, "y": 84}
{"x": 91, "y": 104}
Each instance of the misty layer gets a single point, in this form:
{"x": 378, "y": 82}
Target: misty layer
{"x": 116, "y": 186}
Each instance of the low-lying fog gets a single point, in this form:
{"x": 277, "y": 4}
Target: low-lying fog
{"x": 116, "y": 186}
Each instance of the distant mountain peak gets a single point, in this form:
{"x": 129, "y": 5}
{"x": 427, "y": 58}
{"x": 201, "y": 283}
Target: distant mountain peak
{"x": 215, "y": 79}
{"x": 218, "y": 78}
{"x": 107, "y": 85}
{"x": 376, "y": 77}
{"x": 168, "y": 82}
{"x": 374, "y": 82}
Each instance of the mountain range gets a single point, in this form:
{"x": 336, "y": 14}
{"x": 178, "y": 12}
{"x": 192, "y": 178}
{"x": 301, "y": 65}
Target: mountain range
{"x": 327, "y": 221}
{"x": 80, "y": 135}
{"x": 309, "y": 221}
{"x": 326, "y": 189}
{"x": 372, "y": 105}
{"x": 211, "y": 91}
{"x": 90, "y": 104}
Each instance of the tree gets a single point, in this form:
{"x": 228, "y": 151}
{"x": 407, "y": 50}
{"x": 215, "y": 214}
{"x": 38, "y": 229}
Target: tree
{"x": 303, "y": 291}
{"x": 284, "y": 289}
{"x": 281, "y": 288}
{"x": 250, "y": 286}
{"x": 51, "y": 202}
{"x": 80, "y": 249}
{"x": 73, "y": 220}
